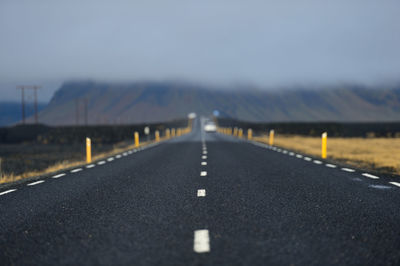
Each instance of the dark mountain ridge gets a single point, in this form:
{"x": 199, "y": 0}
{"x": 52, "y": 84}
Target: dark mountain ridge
{"x": 140, "y": 102}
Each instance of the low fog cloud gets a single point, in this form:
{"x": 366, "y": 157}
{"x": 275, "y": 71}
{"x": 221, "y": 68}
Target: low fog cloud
{"x": 268, "y": 43}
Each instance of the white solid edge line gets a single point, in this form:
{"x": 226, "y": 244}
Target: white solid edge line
{"x": 35, "y": 183}
{"x": 395, "y": 183}
{"x": 317, "y": 162}
{"x": 101, "y": 162}
{"x": 201, "y": 243}
{"x": 203, "y": 163}
{"x": 203, "y": 173}
{"x": 201, "y": 193}
{"x": 59, "y": 175}
{"x": 370, "y": 176}
{"x": 348, "y": 170}
{"x": 76, "y": 170}
{"x": 90, "y": 166}
{"x": 330, "y": 165}
{"x": 7, "y": 191}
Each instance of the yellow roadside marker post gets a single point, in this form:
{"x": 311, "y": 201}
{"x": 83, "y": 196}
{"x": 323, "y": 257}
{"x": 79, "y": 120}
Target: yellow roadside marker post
{"x": 235, "y": 131}
{"x": 240, "y": 134}
{"x": 88, "y": 150}
{"x": 173, "y": 132}
{"x": 249, "y": 134}
{"x": 167, "y": 133}
{"x": 157, "y": 136}
{"x": 230, "y": 131}
{"x": 324, "y": 142}
{"x": 271, "y": 137}
{"x": 136, "y": 139}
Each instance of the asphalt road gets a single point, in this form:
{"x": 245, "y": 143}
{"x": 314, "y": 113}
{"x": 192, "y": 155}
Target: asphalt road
{"x": 249, "y": 205}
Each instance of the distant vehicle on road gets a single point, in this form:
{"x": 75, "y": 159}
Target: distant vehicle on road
{"x": 210, "y": 127}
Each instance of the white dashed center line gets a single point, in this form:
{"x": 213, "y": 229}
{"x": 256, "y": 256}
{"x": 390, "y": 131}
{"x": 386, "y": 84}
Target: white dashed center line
{"x": 59, "y": 175}
{"x": 118, "y": 156}
{"x": 203, "y": 163}
{"x": 201, "y": 193}
{"x": 395, "y": 183}
{"x": 317, "y": 162}
{"x": 348, "y": 170}
{"x": 204, "y": 157}
{"x": 76, "y": 170}
{"x": 35, "y": 183}
{"x": 101, "y": 162}
{"x": 201, "y": 241}
{"x": 90, "y": 166}
{"x": 307, "y": 158}
{"x": 204, "y": 152}
{"x": 110, "y": 159}
{"x": 299, "y": 156}
{"x": 330, "y": 165}
{"x": 7, "y": 191}
{"x": 291, "y": 153}
{"x": 203, "y": 173}
{"x": 370, "y": 176}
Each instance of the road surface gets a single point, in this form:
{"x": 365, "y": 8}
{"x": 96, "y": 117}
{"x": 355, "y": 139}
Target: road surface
{"x": 203, "y": 199}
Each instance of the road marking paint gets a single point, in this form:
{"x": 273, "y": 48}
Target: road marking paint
{"x": 278, "y": 150}
{"x": 7, "y": 191}
{"x": 204, "y": 157}
{"x": 348, "y": 170}
{"x": 203, "y": 163}
{"x": 201, "y": 243}
{"x": 203, "y": 173}
{"x": 110, "y": 159}
{"x": 101, "y": 162}
{"x": 90, "y": 166}
{"x": 59, "y": 175}
{"x": 76, "y": 170}
{"x": 317, "y": 162}
{"x": 395, "y": 184}
{"x": 307, "y": 158}
{"x": 370, "y": 176}
{"x": 299, "y": 156}
{"x": 125, "y": 154}
{"x": 291, "y": 153}
{"x": 380, "y": 186}
{"x": 35, "y": 183}
{"x": 118, "y": 156}
{"x": 201, "y": 193}
{"x": 284, "y": 151}
{"x": 204, "y": 152}
{"x": 330, "y": 165}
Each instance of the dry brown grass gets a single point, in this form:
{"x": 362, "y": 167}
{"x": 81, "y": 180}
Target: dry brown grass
{"x": 380, "y": 154}
{"x": 67, "y": 164}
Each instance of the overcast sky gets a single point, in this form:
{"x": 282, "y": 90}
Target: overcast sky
{"x": 266, "y": 43}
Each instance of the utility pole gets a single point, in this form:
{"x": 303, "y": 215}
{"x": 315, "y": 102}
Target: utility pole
{"x": 77, "y": 111}
{"x": 35, "y": 88}
{"x": 22, "y": 88}
{"x": 85, "y": 102}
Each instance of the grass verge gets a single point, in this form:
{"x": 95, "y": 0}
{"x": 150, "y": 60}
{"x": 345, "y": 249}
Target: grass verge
{"x": 380, "y": 154}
